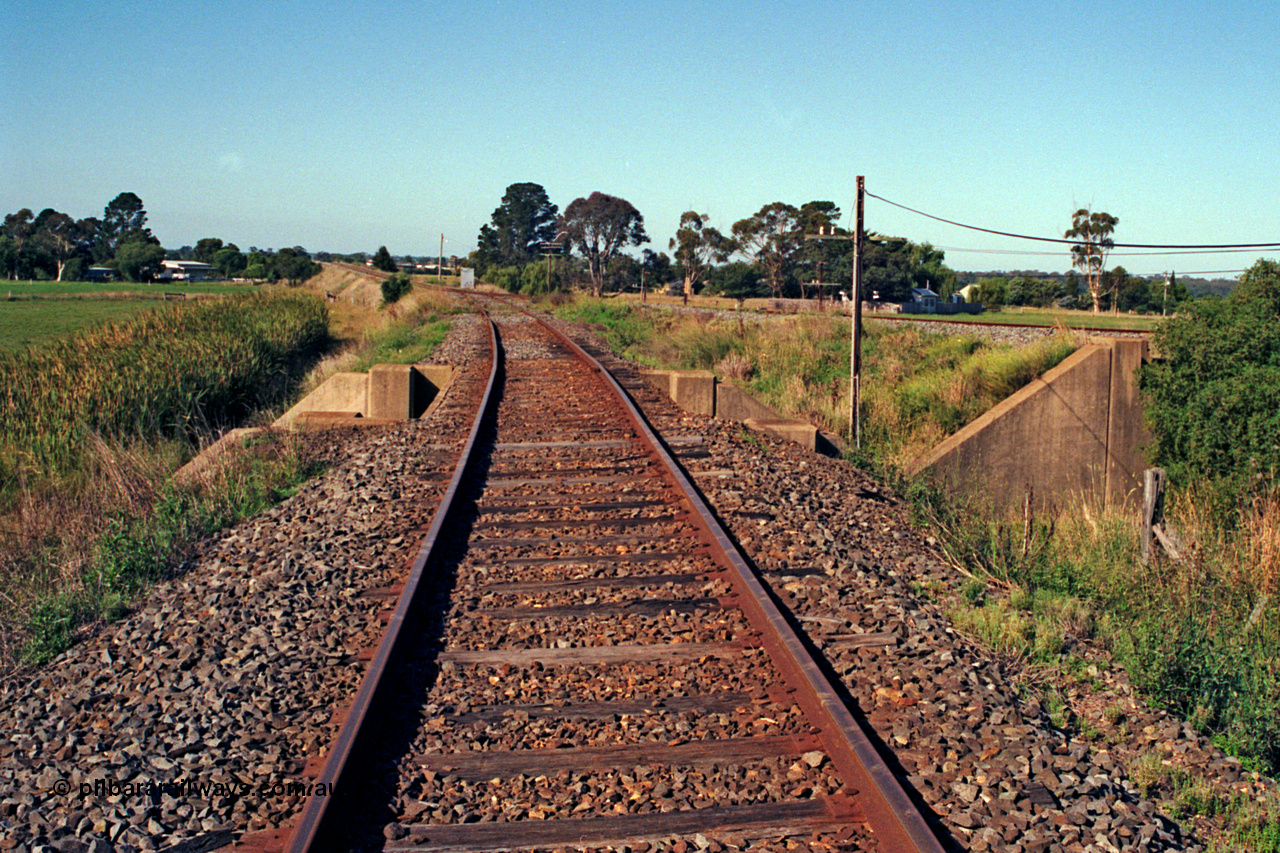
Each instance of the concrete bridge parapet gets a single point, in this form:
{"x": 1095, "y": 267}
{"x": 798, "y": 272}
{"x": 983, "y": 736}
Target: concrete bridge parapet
{"x": 1075, "y": 433}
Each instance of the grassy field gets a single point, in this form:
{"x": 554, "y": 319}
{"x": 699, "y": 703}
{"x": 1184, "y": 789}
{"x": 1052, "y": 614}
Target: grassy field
{"x": 32, "y": 312}
{"x": 47, "y": 289}
{"x": 24, "y": 324}
{"x": 1047, "y": 317}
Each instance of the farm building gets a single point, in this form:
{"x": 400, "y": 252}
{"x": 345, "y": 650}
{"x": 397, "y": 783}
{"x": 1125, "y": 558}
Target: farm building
{"x": 185, "y": 271}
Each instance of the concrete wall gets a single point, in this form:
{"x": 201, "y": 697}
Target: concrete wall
{"x": 699, "y": 392}
{"x": 1076, "y": 433}
{"x": 388, "y": 392}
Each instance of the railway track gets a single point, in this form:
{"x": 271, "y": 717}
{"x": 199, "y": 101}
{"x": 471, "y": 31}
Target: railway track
{"x": 581, "y": 659}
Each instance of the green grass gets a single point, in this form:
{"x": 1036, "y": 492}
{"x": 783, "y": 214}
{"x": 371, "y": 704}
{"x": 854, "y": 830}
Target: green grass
{"x": 403, "y": 342}
{"x": 1040, "y": 317}
{"x": 46, "y": 289}
{"x": 24, "y": 324}
{"x": 33, "y": 312}
{"x": 624, "y": 327}
{"x": 173, "y": 371}
{"x": 135, "y": 547}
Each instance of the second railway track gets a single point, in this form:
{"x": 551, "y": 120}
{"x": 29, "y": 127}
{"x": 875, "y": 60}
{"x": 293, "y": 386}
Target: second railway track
{"x": 592, "y": 665}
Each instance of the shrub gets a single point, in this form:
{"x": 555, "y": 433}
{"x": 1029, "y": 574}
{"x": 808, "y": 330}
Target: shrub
{"x": 394, "y": 287}
{"x": 1211, "y": 399}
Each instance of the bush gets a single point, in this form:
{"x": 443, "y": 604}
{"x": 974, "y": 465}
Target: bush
{"x": 1211, "y": 399}
{"x": 508, "y": 278}
{"x": 394, "y": 287}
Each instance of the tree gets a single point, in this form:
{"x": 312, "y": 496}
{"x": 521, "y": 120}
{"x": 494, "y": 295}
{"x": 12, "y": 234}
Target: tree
{"x": 17, "y": 228}
{"x": 229, "y": 261}
{"x": 598, "y": 227}
{"x": 124, "y": 220}
{"x": 822, "y": 261}
{"x": 737, "y": 280}
{"x": 60, "y": 236}
{"x": 1089, "y": 255}
{"x": 525, "y": 219}
{"x": 696, "y": 247}
{"x": 1260, "y": 285}
{"x": 139, "y": 260}
{"x": 293, "y": 265}
{"x": 928, "y": 269}
{"x": 206, "y": 248}
{"x": 382, "y": 260}
{"x": 770, "y": 238}
{"x": 892, "y": 267}
{"x": 993, "y": 292}
{"x": 395, "y": 286}
{"x": 657, "y": 270}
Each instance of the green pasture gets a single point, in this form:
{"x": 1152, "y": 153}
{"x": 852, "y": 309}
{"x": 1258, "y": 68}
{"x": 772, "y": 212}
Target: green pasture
{"x": 45, "y": 289}
{"x": 26, "y": 323}
{"x": 32, "y": 312}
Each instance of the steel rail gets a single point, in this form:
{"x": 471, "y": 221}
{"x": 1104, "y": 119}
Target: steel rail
{"x": 896, "y": 822}
{"x": 314, "y": 831}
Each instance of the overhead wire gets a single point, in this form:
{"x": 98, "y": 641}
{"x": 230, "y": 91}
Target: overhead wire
{"x": 1047, "y": 254}
{"x": 1224, "y": 246}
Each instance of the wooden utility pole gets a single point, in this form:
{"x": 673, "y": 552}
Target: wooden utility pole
{"x": 440, "y": 262}
{"x": 855, "y": 356}
{"x": 855, "y": 331}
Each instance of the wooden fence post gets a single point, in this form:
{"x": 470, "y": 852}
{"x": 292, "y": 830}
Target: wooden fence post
{"x": 1153, "y": 481}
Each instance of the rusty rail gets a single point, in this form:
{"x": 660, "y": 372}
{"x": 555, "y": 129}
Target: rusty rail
{"x": 313, "y": 825}
{"x": 879, "y": 801}
{"x": 894, "y": 819}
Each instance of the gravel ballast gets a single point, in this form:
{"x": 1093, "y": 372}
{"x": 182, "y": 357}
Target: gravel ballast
{"x": 224, "y": 682}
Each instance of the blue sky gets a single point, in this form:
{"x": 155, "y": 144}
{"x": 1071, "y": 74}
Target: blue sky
{"x": 344, "y": 126}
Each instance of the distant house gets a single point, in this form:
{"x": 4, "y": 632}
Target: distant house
{"x": 968, "y": 293}
{"x": 99, "y": 274}
{"x": 926, "y": 301}
{"x": 185, "y": 271}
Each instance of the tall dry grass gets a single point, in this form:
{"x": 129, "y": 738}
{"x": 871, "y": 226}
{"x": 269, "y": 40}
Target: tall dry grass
{"x": 91, "y": 427}
{"x": 917, "y": 386}
{"x": 167, "y": 372}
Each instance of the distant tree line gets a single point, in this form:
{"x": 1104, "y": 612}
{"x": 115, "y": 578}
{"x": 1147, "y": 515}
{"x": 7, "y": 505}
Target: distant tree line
{"x": 1118, "y": 291}
{"x": 56, "y": 246}
{"x": 764, "y": 254}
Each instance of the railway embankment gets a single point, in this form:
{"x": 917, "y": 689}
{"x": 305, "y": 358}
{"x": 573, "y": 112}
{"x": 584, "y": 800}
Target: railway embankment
{"x": 226, "y": 680}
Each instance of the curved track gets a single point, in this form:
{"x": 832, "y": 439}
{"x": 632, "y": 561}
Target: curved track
{"x": 582, "y": 658}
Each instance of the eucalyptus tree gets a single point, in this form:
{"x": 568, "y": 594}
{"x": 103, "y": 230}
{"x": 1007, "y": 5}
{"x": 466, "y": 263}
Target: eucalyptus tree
{"x": 60, "y": 236}
{"x": 598, "y": 226}
{"x": 697, "y": 247}
{"x": 771, "y": 239}
{"x": 1089, "y": 255}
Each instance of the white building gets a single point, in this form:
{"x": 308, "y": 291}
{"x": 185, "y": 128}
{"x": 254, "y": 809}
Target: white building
{"x": 185, "y": 271}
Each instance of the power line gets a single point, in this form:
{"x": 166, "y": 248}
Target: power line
{"x": 1047, "y": 254}
{"x": 1071, "y": 242}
